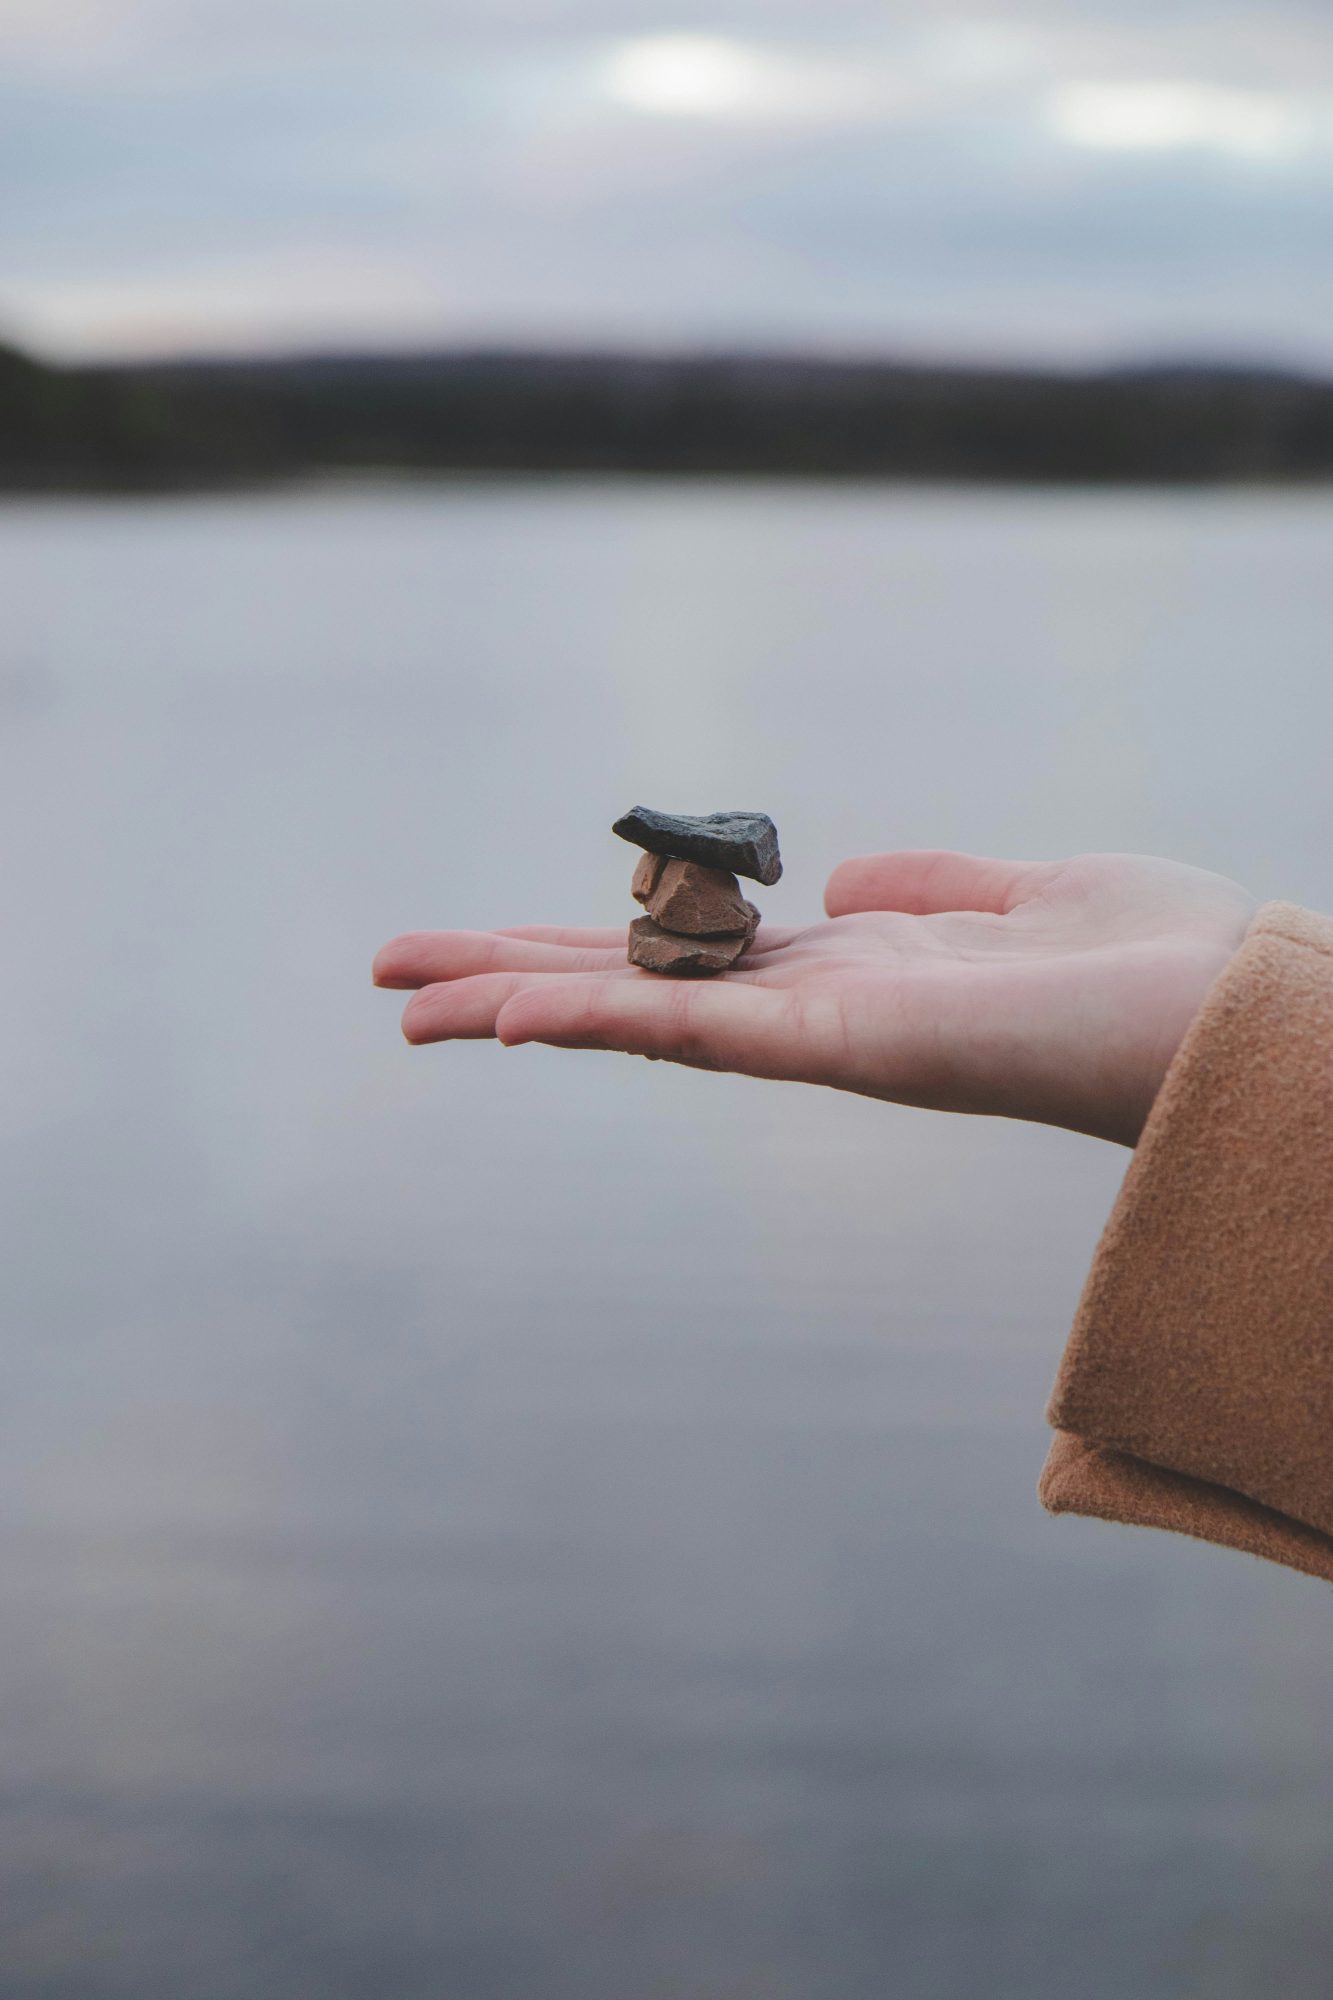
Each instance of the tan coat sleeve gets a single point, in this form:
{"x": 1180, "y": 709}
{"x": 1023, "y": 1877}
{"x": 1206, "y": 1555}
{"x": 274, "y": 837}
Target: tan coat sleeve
{"x": 1196, "y": 1391}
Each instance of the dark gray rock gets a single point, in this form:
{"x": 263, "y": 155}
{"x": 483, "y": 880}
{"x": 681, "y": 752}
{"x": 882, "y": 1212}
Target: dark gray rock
{"x": 657, "y": 950}
{"x": 745, "y": 843}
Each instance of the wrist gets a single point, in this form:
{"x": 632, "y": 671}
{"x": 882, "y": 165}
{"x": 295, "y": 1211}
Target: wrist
{"x": 1189, "y": 973}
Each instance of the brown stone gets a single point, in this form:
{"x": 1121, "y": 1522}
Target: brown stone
{"x": 696, "y": 901}
{"x": 647, "y": 876}
{"x": 657, "y": 950}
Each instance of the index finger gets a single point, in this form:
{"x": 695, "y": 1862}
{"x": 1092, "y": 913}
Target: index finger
{"x": 714, "y": 1024}
{"x": 422, "y": 958}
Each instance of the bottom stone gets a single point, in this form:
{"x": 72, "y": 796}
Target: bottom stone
{"x": 657, "y": 950}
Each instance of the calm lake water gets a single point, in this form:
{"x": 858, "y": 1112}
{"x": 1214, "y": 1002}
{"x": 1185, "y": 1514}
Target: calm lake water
{"x": 513, "y": 1525}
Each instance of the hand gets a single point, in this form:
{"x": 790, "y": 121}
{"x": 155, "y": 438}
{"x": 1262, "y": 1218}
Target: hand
{"x": 1057, "y": 991}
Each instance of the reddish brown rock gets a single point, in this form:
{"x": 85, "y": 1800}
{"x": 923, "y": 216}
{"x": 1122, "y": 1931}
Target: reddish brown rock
{"x": 647, "y": 876}
{"x": 696, "y": 901}
{"x": 657, "y": 950}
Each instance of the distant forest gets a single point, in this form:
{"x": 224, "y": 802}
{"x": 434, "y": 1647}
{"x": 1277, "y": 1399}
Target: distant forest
{"x": 207, "y": 423}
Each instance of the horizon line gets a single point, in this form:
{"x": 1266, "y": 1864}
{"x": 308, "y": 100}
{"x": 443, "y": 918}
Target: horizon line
{"x": 1155, "y": 360}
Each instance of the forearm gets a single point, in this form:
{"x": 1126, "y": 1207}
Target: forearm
{"x": 1197, "y": 1388}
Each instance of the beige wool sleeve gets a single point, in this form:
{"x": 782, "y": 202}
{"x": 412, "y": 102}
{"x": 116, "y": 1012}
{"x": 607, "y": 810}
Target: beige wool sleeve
{"x": 1196, "y": 1390}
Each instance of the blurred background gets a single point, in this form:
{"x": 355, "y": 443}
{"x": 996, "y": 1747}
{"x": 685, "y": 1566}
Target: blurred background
{"x": 488, "y": 1524}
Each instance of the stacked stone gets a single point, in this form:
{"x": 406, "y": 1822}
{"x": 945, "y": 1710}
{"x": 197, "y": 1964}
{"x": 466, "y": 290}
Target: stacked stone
{"x": 697, "y": 920}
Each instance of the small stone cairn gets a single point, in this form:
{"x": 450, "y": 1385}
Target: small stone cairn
{"x": 697, "y": 920}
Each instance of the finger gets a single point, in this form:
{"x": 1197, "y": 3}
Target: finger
{"x": 712, "y": 1024}
{"x": 422, "y": 957}
{"x": 466, "y": 1009}
{"x": 922, "y": 882}
{"x": 583, "y": 939}
{"x": 606, "y": 948}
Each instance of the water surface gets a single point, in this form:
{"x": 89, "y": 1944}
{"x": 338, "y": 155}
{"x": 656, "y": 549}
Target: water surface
{"x": 488, "y": 1524}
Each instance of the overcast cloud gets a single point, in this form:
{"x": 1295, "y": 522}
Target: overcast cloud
{"x": 1069, "y": 182}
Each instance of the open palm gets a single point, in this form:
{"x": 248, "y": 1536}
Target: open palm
{"x": 1056, "y": 991}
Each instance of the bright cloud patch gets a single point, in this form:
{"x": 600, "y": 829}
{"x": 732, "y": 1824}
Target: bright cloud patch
{"x": 1160, "y": 117}
{"x": 709, "y": 77}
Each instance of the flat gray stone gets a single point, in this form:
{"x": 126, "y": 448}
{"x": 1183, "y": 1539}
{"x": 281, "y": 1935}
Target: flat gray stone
{"x": 744, "y": 843}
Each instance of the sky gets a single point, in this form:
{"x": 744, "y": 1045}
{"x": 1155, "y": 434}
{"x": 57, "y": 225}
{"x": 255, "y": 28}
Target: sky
{"x": 1063, "y": 183}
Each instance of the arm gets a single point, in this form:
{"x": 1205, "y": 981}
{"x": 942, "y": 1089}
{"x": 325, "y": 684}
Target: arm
{"x": 1196, "y": 1391}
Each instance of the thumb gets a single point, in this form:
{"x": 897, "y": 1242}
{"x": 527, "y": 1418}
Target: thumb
{"x": 922, "y": 882}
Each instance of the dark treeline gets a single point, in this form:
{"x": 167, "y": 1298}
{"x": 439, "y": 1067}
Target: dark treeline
{"x": 204, "y": 423}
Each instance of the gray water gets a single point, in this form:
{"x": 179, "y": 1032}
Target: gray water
{"x": 479, "y": 1524}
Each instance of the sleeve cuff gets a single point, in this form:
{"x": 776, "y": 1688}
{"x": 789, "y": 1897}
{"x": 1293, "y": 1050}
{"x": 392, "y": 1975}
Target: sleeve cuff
{"x": 1196, "y": 1390}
